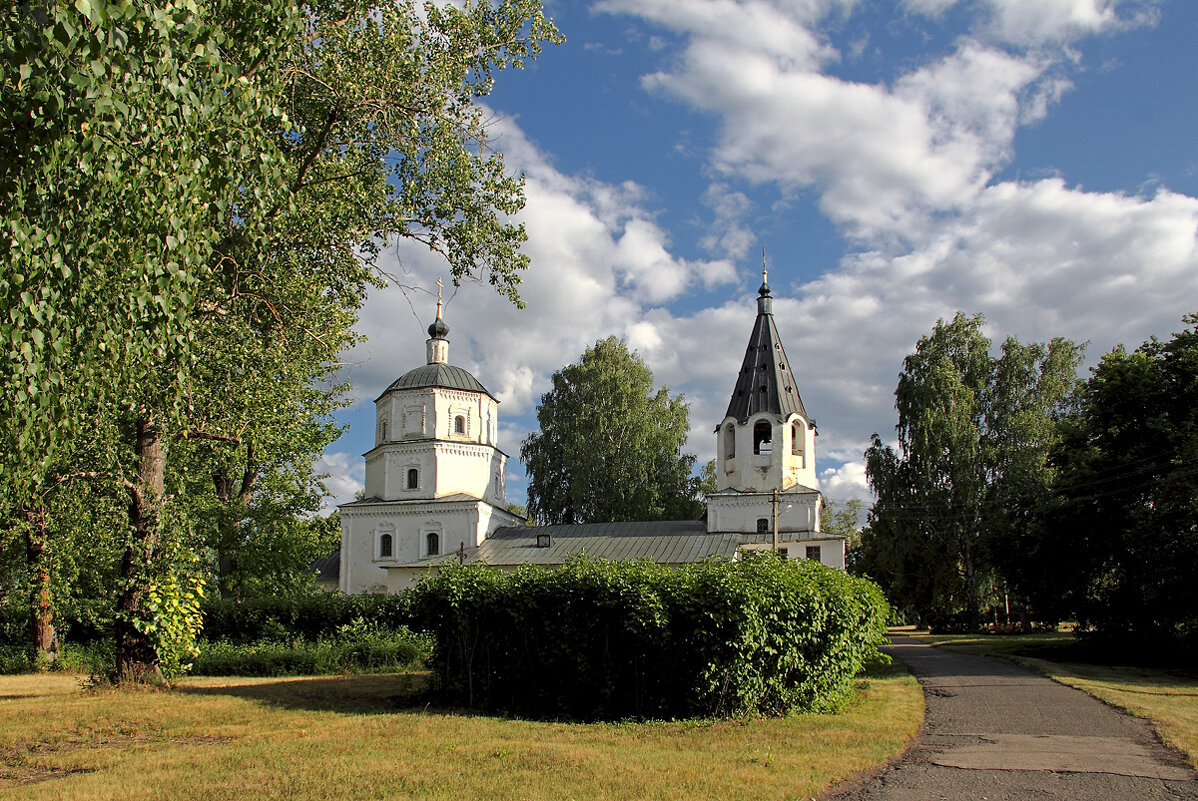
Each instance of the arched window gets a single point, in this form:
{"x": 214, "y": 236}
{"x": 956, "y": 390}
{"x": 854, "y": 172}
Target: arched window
{"x": 385, "y": 546}
{"x": 729, "y": 441}
{"x": 763, "y": 525}
{"x": 384, "y": 432}
{"x": 796, "y": 438}
{"x": 459, "y": 425}
{"x": 763, "y": 435}
{"x": 413, "y": 478}
{"x": 433, "y": 541}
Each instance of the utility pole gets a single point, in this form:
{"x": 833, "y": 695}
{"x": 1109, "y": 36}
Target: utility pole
{"x": 775, "y": 494}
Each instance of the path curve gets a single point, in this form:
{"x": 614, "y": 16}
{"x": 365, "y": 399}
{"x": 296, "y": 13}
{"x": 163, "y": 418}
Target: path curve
{"x": 997, "y": 731}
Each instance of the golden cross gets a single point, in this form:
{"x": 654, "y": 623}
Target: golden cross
{"x": 438, "y": 298}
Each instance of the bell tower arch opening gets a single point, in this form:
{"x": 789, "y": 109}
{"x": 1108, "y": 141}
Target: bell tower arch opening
{"x": 763, "y": 438}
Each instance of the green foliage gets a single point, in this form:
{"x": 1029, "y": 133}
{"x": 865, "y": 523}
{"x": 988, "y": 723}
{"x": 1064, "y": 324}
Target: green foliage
{"x": 111, "y": 171}
{"x": 707, "y": 484}
{"x": 311, "y": 617}
{"x": 958, "y": 498}
{"x": 1120, "y": 535}
{"x": 614, "y": 640}
{"x": 843, "y": 519}
{"x": 197, "y": 196}
{"x": 173, "y": 621}
{"x": 609, "y": 448}
{"x": 89, "y": 659}
{"x": 355, "y": 649}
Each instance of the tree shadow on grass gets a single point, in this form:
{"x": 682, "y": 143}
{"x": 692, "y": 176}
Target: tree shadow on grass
{"x": 362, "y": 695}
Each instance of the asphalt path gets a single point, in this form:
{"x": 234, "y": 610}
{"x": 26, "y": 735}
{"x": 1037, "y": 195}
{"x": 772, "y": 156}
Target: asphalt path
{"x": 997, "y": 731}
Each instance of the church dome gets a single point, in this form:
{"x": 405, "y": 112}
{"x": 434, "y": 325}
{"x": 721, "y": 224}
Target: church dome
{"x": 438, "y": 329}
{"x": 438, "y": 375}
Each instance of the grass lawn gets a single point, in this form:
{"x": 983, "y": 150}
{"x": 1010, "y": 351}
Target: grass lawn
{"x": 1168, "y": 698}
{"x": 359, "y": 737}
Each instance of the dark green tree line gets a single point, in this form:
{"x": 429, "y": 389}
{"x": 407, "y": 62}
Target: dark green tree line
{"x": 1120, "y": 535}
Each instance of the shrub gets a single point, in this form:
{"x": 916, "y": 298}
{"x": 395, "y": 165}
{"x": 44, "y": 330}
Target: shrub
{"x": 307, "y": 617}
{"x": 15, "y": 659}
{"x": 613, "y": 640}
{"x": 89, "y": 658}
{"x": 356, "y": 650}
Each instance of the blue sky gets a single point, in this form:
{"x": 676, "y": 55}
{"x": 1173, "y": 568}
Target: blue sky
{"x": 898, "y": 160}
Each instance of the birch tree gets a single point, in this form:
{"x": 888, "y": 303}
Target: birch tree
{"x": 609, "y": 447}
{"x": 974, "y": 433}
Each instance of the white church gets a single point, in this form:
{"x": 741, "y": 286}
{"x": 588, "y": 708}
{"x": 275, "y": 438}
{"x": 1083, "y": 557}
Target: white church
{"x": 435, "y": 482}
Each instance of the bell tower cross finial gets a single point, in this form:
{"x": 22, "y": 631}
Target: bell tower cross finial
{"x": 764, "y": 274}
{"x": 438, "y": 345}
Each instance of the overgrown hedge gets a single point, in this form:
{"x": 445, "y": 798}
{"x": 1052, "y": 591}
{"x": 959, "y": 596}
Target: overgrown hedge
{"x": 615, "y": 640}
{"x": 308, "y": 617}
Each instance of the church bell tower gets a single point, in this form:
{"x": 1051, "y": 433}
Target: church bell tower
{"x": 765, "y": 445}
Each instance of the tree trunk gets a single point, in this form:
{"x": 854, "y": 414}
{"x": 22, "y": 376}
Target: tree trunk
{"x": 228, "y": 555}
{"x": 971, "y": 590}
{"x": 37, "y": 557}
{"x": 136, "y": 656}
{"x": 230, "y": 534}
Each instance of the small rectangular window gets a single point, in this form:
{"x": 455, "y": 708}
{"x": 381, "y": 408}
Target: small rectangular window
{"x": 813, "y": 553}
{"x": 763, "y": 525}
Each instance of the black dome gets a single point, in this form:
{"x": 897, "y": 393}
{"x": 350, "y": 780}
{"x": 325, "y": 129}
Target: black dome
{"x": 438, "y": 375}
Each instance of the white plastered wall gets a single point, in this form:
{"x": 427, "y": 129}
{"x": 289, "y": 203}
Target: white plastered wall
{"x": 785, "y": 466}
{"x": 364, "y": 569}
{"x": 797, "y": 511}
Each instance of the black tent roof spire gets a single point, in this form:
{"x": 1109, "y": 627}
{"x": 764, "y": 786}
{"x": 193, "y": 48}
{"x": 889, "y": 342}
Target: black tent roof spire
{"x": 766, "y": 382}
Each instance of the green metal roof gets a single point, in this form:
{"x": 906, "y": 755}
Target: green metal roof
{"x": 438, "y": 375}
{"x": 666, "y": 542}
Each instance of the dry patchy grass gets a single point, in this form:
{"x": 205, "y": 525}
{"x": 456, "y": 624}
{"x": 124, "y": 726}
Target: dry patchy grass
{"x": 360, "y": 737}
{"x": 1168, "y": 698}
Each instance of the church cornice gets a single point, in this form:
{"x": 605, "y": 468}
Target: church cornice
{"x": 741, "y": 498}
{"x": 423, "y": 506}
{"x": 428, "y": 445}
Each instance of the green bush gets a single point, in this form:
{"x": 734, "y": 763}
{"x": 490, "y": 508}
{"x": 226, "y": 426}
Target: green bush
{"x": 307, "y": 617}
{"x": 614, "y": 640}
{"x": 357, "y": 650}
{"x": 89, "y": 658}
{"x": 15, "y": 659}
